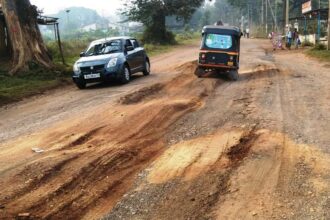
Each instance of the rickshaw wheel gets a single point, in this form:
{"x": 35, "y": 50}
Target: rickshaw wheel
{"x": 233, "y": 75}
{"x": 199, "y": 72}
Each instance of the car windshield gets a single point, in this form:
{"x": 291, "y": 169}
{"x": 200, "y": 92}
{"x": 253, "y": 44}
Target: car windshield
{"x": 218, "y": 41}
{"x": 104, "y": 48}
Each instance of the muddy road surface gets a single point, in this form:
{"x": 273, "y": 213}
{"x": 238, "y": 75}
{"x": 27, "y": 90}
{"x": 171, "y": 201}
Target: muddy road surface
{"x": 173, "y": 146}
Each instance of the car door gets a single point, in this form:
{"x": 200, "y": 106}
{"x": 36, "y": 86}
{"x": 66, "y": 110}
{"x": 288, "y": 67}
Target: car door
{"x": 131, "y": 56}
{"x": 139, "y": 54}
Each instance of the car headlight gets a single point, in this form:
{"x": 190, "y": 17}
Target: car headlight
{"x": 112, "y": 62}
{"x": 76, "y": 68}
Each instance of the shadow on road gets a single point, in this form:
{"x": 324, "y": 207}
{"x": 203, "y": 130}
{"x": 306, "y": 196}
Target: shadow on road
{"x": 114, "y": 82}
{"x": 215, "y": 75}
{"x": 253, "y": 74}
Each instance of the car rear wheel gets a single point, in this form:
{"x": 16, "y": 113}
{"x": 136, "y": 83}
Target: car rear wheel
{"x": 80, "y": 84}
{"x": 146, "y": 71}
{"x": 233, "y": 75}
{"x": 125, "y": 76}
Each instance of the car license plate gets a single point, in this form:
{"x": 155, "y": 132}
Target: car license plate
{"x": 92, "y": 76}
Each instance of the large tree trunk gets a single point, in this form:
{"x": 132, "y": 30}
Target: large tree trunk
{"x": 26, "y": 41}
{"x": 3, "y": 45}
{"x": 156, "y": 31}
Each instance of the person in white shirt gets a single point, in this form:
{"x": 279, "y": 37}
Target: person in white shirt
{"x": 247, "y": 32}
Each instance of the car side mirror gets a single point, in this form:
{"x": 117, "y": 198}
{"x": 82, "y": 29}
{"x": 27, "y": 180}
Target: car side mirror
{"x": 129, "y": 48}
{"x": 82, "y": 54}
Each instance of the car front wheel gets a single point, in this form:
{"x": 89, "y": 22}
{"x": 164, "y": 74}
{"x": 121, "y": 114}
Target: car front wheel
{"x": 125, "y": 75}
{"x": 146, "y": 71}
{"x": 80, "y": 84}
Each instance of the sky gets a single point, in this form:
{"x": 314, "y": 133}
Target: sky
{"x": 103, "y": 7}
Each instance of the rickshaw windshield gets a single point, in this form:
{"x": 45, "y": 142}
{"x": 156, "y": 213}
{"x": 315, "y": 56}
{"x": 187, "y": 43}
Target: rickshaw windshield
{"x": 219, "y": 41}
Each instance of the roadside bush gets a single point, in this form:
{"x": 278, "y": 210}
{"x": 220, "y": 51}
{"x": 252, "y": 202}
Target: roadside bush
{"x": 307, "y": 44}
{"x": 152, "y": 36}
{"x": 186, "y": 36}
{"x": 71, "y": 50}
{"x": 320, "y": 47}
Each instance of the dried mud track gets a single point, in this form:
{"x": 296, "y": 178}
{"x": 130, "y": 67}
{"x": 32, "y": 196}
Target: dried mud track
{"x": 186, "y": 148}
{"x": 89, "y": 165}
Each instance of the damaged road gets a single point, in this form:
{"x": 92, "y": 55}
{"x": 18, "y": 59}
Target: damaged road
{"x": 181, "y": 147}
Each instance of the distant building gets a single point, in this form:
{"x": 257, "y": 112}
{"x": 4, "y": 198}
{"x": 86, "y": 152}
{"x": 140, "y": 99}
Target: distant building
{"x": 91, "y": 27}
{"x": 126, "y": 28}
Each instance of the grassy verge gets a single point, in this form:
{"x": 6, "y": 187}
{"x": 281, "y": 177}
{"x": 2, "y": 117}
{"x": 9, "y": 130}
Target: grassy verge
{"x": 323, "y": 55}
{"x": 15, "y": 88}
{"x": 182, "y": 39}
{"x": 73, "y": 48}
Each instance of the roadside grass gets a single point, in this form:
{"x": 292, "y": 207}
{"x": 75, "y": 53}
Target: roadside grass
{"x": 72, "y": 48}
{"x": 37, "y": 81}
{"x": 323, "y": 55}
{"x": 15, "y": 88}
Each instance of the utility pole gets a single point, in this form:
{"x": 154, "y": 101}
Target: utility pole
{"x": 276, "y": 28}
{"x": 266, "y": 17}
{"x": 249, "y": 15}
{"x": 287, "y": 9}
{"x": 262, "y": 13}
{"x": 67, "y": 16}
{"x": 329, "y": 28}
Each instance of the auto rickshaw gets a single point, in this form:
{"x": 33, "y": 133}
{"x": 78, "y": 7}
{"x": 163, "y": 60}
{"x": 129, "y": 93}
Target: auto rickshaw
{"x": 220, "y": 51}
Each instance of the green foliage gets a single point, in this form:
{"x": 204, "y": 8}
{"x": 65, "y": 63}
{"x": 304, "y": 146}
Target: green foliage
{"x": 154, "y": 36}
{"x": 254, "y": 7}
{"x": 210, "y": 13}
{"x": 323, "y": 55}
{"x": 184, "y": 38}
{"x": 153, "y": 13}
{"x": 205, "y": 18}
{"x": 307, "y": 44}
{"x": 75, "y": 43}
{"x": 14, "y": 88}
{"x": 320, "y": 47}
{"x": 187, "y": 37}
{"x": 71, "y": 50}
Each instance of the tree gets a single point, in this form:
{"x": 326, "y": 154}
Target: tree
{"x": 329, "y": 28}
{"x": 3, "y": 45}
{"x": 153, "y": 13}
{"x": 27, "y": 46}
{"x": 206, "y": 18}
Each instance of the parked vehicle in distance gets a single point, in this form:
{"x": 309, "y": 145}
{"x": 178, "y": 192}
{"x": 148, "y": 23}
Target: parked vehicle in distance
{"x": 220, "y": 51}
{"x": 110, "y": 58}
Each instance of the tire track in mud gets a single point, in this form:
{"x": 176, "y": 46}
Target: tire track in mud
{"x": 75, "y": 186}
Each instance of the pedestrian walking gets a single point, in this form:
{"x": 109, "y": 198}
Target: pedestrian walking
{"x": 296, "y": 38}
{"x": 277, "y": 39}
{"x": 272, "y": 37}
{"x": 247, "y": 32}
{"x": 289, "y": 36}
